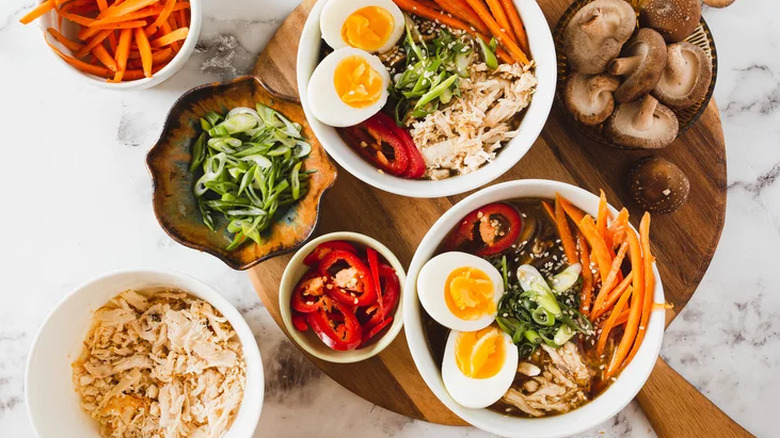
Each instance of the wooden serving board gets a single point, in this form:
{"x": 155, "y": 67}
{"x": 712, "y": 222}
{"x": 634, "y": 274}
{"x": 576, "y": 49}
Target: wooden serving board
{"x": 684, "y": 242}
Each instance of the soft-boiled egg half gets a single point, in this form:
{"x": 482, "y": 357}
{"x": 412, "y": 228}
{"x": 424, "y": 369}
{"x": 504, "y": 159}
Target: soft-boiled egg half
{"x": 372, "y": 25}
{"x": 479, "y": 366}
{"x": 460, "y": 291}
{"x": 348, "y": 87}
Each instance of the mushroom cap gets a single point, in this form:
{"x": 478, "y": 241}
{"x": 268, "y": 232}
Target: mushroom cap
{"x": 686, "y": 78}
{"x": 596, "y": 33}
{"x": 658, "y": 185}
{"x": 643, "y": 124}
{"x": 589, "y": 97}
{"x": 674, "y": 19}
{"x": 718, "y": 3}
{"x": 642, "y": 63}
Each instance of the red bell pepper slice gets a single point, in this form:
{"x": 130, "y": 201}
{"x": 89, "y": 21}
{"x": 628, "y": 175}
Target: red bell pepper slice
{"x": 337, "y": 326}
{"x": 308, "y": 292}
{"x": 324, "y": 249}
{"x": 299, "y": 321}
{"x": 416, "y": 167}
{"x": 373, "y": 264}
{"x": 349, "y": 279}
{"x": 375, "y": 330}
{"x": 378, "y": 143}
{"x": 492, "y": 228}
{"x": 391, "y": 290}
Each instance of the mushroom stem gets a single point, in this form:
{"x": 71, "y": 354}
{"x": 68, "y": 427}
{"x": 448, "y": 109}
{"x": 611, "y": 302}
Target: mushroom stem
{"x": 643, "y": 119}
{"x": 676, "y": 61}
{"x": 625, "y": 66}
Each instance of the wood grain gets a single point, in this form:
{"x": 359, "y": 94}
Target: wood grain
{"x": 684, "y": 242}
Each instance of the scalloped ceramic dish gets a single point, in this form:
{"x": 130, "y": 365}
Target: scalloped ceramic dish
{"x": 174, "y": 203}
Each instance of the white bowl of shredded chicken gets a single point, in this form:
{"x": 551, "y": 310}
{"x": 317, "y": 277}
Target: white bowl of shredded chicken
{"x": 144, "y": 354}
{"x": 475, "y": 139}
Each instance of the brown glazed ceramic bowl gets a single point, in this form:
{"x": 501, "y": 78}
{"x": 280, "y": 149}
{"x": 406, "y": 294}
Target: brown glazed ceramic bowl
{"x": 173, "y": 200}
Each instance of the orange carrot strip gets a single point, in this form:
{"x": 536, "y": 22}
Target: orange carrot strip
{"x": 176, "y": 45}
{"x": 146, "y": 51}
{"x": 586, "y": 293}
{"x": 166, "y": 11}
{"x": 462, "y": 11}
{"x": 78, "y": 19}
{"x": 613, "y": 297}
{"x": 603, "y": 260}
{"x": 637, "y": 300}
{"x": 121, "y": 25}
{"x": 415, "y": 8}
{"x": 621, "y": 319}
{"x": 71, "y": 45}
{"x": 574, "y": 213}
{"x": 102, "y": 5}
{"x": 39, "y": 10}
{"x": 495, "y": 29}
{"x": 549, "y": 210}
{"x": 612, "y": 277}
{"x": 498, "y": 13}
{"x": 92, "y": 42}
{"x": 78, "y": 64}
{"x": 104, "y": 57}
{"x": 122, "y": 51}
{"x": 616, "y": 231}
{"x": 603, "y": 213}
{"x": 602, "y": 343}
{"x": 647, "y": 306}
{"x": 567, "y": 240}
{"x": 517, "y": 24}
{"x": 147, "y": 12}
{"x": 176, "y": 35}
{"x": 125, "y": 7}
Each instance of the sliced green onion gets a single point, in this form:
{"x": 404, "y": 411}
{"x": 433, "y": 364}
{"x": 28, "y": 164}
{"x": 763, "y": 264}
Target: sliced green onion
{"x": 566, "y": 279}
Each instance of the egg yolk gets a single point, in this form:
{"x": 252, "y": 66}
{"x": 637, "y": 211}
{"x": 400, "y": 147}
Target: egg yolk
{"x": 368, "y": 28}
{"x": 357, "y": 83}
{"x": 469, "y": 293}
{"x": 480, "y": 354}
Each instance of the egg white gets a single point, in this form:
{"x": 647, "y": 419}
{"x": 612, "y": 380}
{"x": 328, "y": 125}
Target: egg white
{"x": 336, "y": 12}
{"x": 478, "y": 393}
{"x": 325, "y": 103}
{"x": 431, "y": 284}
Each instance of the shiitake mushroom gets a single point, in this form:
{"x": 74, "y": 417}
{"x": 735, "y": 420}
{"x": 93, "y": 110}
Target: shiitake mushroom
{"x": 658, "y": 185}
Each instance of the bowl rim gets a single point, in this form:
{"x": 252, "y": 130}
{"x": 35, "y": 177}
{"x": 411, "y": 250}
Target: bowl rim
{"x": 620, "y": 393}
{"x": 290, "y": 279}
{"x": 249, "y": 346}
{"x": 173, "y": 66}
{"x": 534, "y": 120}
{"x": 232, "y": 262}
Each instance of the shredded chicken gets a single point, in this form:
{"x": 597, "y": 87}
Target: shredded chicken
{"x": 470, "y": 131}
{"x": 162, "y": 365}
{"x": 561, "y": 387}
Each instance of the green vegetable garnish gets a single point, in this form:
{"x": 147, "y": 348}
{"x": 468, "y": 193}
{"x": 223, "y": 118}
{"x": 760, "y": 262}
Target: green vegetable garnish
{"x": 488, "y": 54}
{"x": 250, "y": 163}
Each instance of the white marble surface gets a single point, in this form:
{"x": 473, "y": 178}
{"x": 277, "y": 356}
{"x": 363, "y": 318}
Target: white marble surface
{"x": 76, "y": 203}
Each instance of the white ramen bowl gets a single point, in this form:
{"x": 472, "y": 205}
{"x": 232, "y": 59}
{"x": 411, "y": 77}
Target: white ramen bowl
{"x": 533, "y": 120}
{"x": 52, "y": 402}
{"x": 603, "y": 407}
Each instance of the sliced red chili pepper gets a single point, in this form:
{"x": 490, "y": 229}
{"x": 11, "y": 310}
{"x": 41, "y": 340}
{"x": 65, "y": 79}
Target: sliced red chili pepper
{"x": 369, "y": 316}
{"x": 337, "y": 326}
{"x": 308, "y": 292}
{"x": 391, "y": 289}
{"x": 373, "y": 264}
{"x": 349, "y": 279}
{"x": 416, "y": 167}
{"x": 493, "y": 228}
{"x": 378, "y": 143}
{"x": 299, "y": 321}
{"x": 376, "y": 329}
{"x": 324, "y": 248}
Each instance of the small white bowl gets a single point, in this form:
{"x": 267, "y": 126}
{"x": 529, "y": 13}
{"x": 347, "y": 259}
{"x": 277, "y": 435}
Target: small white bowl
{"x": 603, "y": 407}
{"x": 308, "y": 341}
{"x": 543, "y": 50}
{"x": 173, "y": 66}
{"x": 52, "y": 402}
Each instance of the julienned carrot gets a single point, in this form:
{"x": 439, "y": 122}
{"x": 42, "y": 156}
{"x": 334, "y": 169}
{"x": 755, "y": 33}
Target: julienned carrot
{"x": 621, "y": 319}
{"x": 501, "y": 18}
{"x": 603, "y": 259}
{"x": 462, "y": 11}
{"x": 621, "y": 304}
{"x": 616, "y": 231}
{"x": 567, "y": 240}
{"x": 91, "y": 43}
{"x": 104, "y": 57}
{"x": 132, "y": 24}
{"x": 176, "y": 35}
{"x": 637, "y": 301}
{"x": 71, "y": 45}
{"x": 145, "y": 49}
{"x": 124, "y": 8}
{"x": 41, "y": 9}
{"x": 78, "y": 19}
{"x": 612, "y": 278}
{"x": 415, "y": 8}
{"x": 495, "y": 29}
{"x": 647, "y": 306}
{"x": 612, "y": 298}
{"x": 603, "y": 213}
{"x": 574, "y": 213}
{"x": 122, "y": 52}
{"x": 166, "y": 11}
{"x": 102, "y": 4}
{"x": 80, "y": 65}
{"x": 549, "y": 210}
{"x": 517, "y": 24}
{"x": 586, "y": 293}
{"x": 147, "y": 12}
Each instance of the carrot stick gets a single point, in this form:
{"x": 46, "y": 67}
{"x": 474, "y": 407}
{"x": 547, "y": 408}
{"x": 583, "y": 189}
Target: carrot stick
{"x": 603, "y": 259}
{"x": 39, "y": 10}
{"x": 621, "y": 319}
{"x": 613, "y": 297}
{"x": 122, "y": 52}
{"x": 517, "y": 24}
{"x": 495, "y": 29}
{"x": 78, "y": 19}
{"x": 102, "y": 5}
{"x": 574, "y": 213}
{"x": 104, "y": 57}
{"x": 164, "y": 14}
{"x": 78, "y": 64}
{"x": 147, "y": 12}
{"x": 549, "y": 210}
{"x": 171, "y": 37}
{"x": 124, "y": 8}
{"x": 637, "y": 300}
{"x": 602, "y": 343}
{"x": 603, "y": 213}
{"x": 121, "y": 25}
{"x": 586, "y": 293}
{"x": 612, "y": 277}
{"x": 616, "y": 231}
{"x": 71, "y": 45}
{"x": 146, "y": 51}
{"x": 569, "y": 247}
{"x": 647, "y": 306}
{"x": 498, "y": 13}
{"x": 416, "y": 8}
{"x": 462, "y": 11}
{"x": 91, "y": 43}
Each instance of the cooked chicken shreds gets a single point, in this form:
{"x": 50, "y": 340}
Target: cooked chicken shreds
{"x": 469, "y": 131}
{"x": 162, "y": 364}
{"x": 562, "y": 386}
